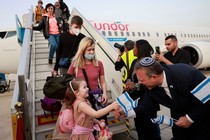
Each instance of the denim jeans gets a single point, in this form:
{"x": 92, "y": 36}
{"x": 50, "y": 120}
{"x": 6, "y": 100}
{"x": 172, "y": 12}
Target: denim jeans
{"x": 54, "y": 41}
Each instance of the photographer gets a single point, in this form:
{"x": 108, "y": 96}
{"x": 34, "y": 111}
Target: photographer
{"x": 125, "y": 58}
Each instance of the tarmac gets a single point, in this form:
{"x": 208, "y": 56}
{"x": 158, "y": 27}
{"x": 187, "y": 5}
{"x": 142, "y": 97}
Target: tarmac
{"x": 5, "y": 115}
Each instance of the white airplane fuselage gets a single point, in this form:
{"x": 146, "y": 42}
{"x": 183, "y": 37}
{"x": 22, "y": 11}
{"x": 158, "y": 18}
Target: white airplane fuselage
{"x": 9, "y": 55}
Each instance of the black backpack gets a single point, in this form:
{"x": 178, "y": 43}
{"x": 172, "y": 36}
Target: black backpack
{"x": 55, "y": 87}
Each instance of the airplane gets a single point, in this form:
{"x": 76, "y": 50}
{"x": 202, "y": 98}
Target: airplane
{"x": 9, "y": 51}
{"x": 195, "y": 40}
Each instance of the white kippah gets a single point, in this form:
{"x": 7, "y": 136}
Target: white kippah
{"x": 147, "y": 61}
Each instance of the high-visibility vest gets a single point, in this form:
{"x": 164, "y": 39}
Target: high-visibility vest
{"x": 128, "y": 58}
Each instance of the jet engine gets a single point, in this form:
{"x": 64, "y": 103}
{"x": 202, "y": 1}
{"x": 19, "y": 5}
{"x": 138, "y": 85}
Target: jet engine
{"x": 200, "y": 54}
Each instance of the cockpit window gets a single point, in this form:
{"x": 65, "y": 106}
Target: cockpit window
{"x": 11, "y": 33}
{"x": 2, "y": 34}
{"x": 7, "y": 34}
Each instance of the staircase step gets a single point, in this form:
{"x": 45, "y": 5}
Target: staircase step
{"x": 41, "y": 61}
{"x": 42, "y": 55}
{"x": 39, "y": 94}
{"x": 41, "y": 46}
{"x": 44, "y": 68}
{"x": 42, "y": 50}
{"x": 118, "y": 129}
{"x": 38, "y": 104}
{"x": 44, "y": 132}
{"x": 41, "y": 119}
{"x": 39, "y": 84}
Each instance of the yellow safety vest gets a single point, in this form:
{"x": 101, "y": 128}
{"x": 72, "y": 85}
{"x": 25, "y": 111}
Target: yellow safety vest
{"x": 128, "y": 58}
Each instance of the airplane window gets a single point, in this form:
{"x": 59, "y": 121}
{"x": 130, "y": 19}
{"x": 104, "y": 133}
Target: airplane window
{"x": 133, "y": 33}
{"x": 2, "y": 34}
{"x": 188, "y": 35}
{"x": 191, "y": 35}
{"x": 194, "y": 35}
{"x": 201, "y": 36}
{"x": 148, "y": 34}
{"x": 104, "y": 33}
{"x": 204, "y": 36}
{"x": 181, "y": 35}
{"x": 128, "y": 34}
{"x": 197, "y": 35}
{"x": 115, "y": 33}
{"x": 165, "y": 34}
{"x": 139, "y": 34}
{"x": 110, "y": 33}
{"x": 157, "y": 34}
{"x": 11, "y": 33}
{"x": 143, "y": 34}
{"x": 122, "y": 33}
{"x": 185, "y": 35}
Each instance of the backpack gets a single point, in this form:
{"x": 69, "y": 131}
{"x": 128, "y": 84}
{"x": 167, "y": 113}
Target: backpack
{"x": 51, "y": 105}
{"x": 65, "y": 123}
{"x": 55, "y": 87}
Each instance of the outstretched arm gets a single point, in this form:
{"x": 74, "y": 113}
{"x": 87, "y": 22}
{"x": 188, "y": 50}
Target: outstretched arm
{"x": 97, "y": 114}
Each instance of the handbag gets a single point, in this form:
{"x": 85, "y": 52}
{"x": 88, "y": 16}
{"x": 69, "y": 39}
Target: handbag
{"x": 64, "y": 62}
{"x": 95, "y": 96}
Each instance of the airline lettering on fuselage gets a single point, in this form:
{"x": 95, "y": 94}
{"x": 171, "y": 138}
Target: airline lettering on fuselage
{"x": 115, "y": 26}
{"x": 117, "y": 39}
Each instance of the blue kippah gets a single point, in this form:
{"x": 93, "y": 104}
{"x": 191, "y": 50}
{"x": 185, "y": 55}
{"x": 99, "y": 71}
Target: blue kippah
{"x": 147, "y": 61}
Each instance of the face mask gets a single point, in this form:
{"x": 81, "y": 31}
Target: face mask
{"x": 89, "y": 56}
{"x": 76, "y": 31}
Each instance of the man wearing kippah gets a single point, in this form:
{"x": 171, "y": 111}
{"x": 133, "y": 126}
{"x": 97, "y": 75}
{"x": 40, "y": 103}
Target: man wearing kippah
{"x": 171, "y": 86}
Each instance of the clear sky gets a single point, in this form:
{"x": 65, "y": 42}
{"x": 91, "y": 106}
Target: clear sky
{"x": 176, "y": 12}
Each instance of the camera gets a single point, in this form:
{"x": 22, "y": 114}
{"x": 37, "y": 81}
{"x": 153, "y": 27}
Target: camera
{"x": 157, "y": 49}
{"x": 120, "y": 47}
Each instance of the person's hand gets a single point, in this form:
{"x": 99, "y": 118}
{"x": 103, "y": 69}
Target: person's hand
{"x": 115, "y": 105}
{"x": 102, "y": 124}
{"x": 104, "y": 98}
{"x": 54, "y": 73}
{"x": 60, "y": 25}
{"x": 183, "y": 122}
{"x": 156, "y": 56}
{"x": 30, "y": 28}
{"x": 161, "y": 57}
{"x": 119, "y": 113}
{"x": 129, "y": 85}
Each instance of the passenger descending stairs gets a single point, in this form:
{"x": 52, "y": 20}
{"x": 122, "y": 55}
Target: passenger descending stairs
{"x": 44, "y": 126}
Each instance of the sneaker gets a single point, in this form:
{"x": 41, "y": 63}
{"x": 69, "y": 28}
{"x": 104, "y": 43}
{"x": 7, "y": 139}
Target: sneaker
{"x": 50, "y": 61}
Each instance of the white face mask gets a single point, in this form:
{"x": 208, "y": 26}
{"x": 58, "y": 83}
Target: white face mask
{"x": 76, "y": 31}
{"x": 89, "y": 56}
